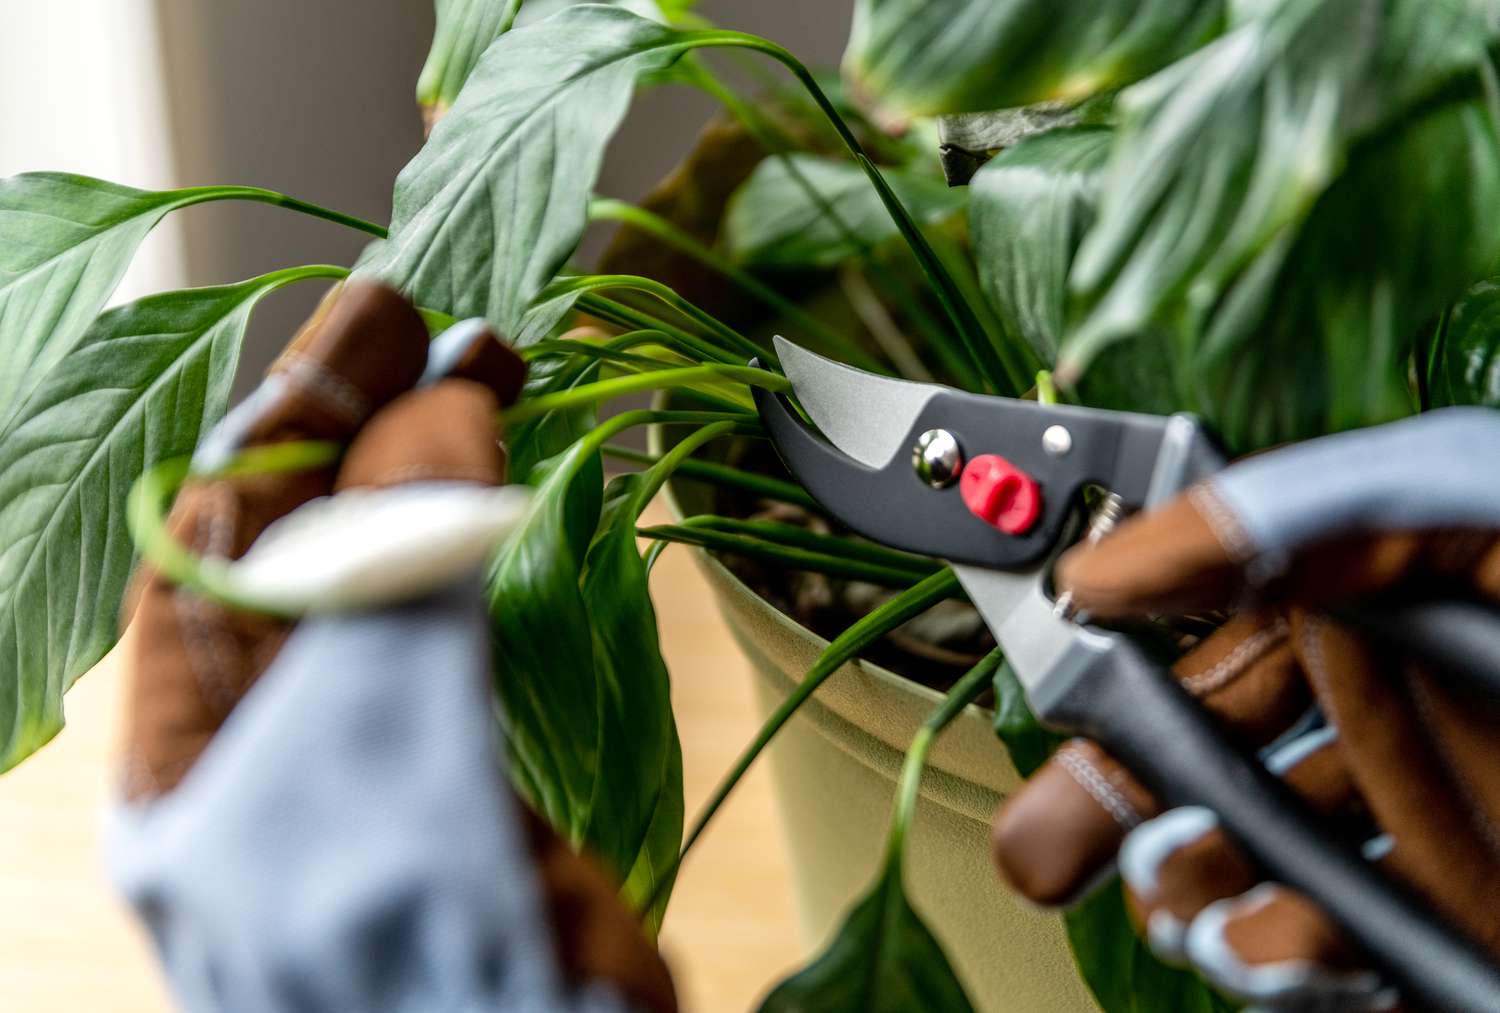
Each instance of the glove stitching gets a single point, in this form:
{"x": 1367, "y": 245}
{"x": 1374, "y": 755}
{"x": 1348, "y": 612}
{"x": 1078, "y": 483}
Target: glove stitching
{"x": 1223, "y": 523}
{"x": 1426, "y": 715}
{"x": 1099, "y": 788}
{"x": 328, "y": 389}
{"x": 1237, "y": 661}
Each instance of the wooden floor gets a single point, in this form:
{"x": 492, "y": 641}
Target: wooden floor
{"x": 66, "y": 945}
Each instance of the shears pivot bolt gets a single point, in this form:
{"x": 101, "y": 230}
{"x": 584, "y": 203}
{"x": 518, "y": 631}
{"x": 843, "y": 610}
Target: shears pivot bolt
{"x": 937, "y": 458}
{"x": 1057, "y": 441}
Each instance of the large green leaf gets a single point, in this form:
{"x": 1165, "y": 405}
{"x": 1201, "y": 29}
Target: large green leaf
{"x": 495, "y": 202}
{"x": 1463, "y": 367}
{"x": 1317, "y": 338}
{"x": 464, "y": 30}
{"x": 1222, "y": 157}
{"x": 138, "y": 388}
{"x": 638, "y": 721}
{"x": 774, "y": 221}
{"x": 1030, "y": 208}
{"x": 586, "y": 696}
{"x": 923, "y": 57}
{"x": 883, "y": 959}
{"x": 65, "y": 242}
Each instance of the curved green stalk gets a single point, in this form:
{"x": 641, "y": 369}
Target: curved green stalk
{"x": 260, "y": 195}
{"x": 725, "y": 475}
{"x": 803, "y": 538}
{"x": 981, "y": 348}
{"x": 788, "y": 557}
{"x": 603, "y": 390}
{"x": 900, "y": 609}
{"x": 621, "y": 315}
{"x": 607, "y": 209}
{"x": 152, "y": 495}
{"x": 666, "y": 295}
{"x": 963, "y": 693}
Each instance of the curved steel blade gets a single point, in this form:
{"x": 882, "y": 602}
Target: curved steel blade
{"x": 866, "y": 416}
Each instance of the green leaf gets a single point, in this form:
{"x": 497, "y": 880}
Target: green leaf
{"x": 883, "y": 959}
{"x": 1464, "y": 367}
{"x": 1027, "y": 742}
{"x": 495, "y": 202}
{"x": 924, "y": 57}
{"x": 773, "y": 221}
{"x": 1325, "y": 327}
{"x": 65, "y": 242}
{"x": 1120, "y": 969}
{"x": 464, "y": 29}
{"x": 1222, "y": 157}
{"x": 586, "y": 696}
{"x": 136, "y": 389}
{"x": 1029, "y": 209}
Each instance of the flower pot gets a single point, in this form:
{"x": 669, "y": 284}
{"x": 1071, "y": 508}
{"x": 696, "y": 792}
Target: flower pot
{"x": 835, "y": 767}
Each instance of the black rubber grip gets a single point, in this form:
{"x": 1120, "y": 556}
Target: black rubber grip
{"x": 1111, "y": 691}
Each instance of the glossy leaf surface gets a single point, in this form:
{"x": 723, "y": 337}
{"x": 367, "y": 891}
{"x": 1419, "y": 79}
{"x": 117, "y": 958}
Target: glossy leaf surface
{"x": 773, "y": 220}
{"x": 136, "y": 389}
{"x": 923, "y": 57}
{"x": 883, "y": 959}
{"x": 1464, "y": 363}
{"x": 65, "y": 242}
{"x": 495, "y": 202}
{"x": 1222, "y": 157}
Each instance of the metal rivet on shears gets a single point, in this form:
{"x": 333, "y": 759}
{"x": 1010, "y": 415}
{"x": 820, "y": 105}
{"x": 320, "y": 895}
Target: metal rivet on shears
{"x": 937, "y": 458}
{"x": 1057, "y": 441}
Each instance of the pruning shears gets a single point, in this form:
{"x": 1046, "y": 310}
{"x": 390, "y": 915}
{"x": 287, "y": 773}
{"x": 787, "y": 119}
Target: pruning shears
{"x": 890, "y": 464}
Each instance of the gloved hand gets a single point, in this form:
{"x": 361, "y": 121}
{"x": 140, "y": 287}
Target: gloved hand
{"x": 314, "y": 814}
{"x": 1382, "y": 745}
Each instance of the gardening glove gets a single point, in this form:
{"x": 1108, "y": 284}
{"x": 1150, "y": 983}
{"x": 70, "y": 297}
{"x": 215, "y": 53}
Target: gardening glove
{"x": 1379, "y": 743}
{"x": 313, "y": 813}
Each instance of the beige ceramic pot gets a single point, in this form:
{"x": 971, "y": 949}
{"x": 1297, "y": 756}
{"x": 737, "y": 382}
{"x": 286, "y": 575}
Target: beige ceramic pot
{"x": 835, "y": 768}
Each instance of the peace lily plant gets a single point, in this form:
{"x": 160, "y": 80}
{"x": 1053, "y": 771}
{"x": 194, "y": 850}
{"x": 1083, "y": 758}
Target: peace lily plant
{"x": 1280, "y": 214}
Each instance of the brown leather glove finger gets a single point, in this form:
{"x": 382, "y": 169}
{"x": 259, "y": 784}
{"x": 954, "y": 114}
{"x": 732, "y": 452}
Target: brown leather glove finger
{"x": 192, "y": 659}
{"x": 1421, "y": 752}
{"x": 596, "y": 937}
{"x": 1054, "y": 838}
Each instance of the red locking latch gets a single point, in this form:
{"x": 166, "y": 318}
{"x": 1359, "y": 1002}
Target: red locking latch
{"x": 1000, "y": 494}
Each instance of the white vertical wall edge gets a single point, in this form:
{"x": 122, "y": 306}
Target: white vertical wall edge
{"x": 83, "y": 89}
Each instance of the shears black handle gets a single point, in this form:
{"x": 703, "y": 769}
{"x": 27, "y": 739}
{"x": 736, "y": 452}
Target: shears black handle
{"x": 1108, "y": 689}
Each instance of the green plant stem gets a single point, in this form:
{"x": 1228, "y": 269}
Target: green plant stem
{"x": 905, "y": 606}
{"x": 730, "y": 337}
{"x": 964, "y": 692}
{"x": 262, "y": 196}
{"x": 152, "y": 495}
{"x": 957, "y": 358}
{"x": 981, "y": 348}
{"x": 603, "y": 390}
{"x": 725, "y": 475}
{"x": 785, "y": 556}
{"x": 1046, "y": 390}
{"x": 802, "y": 538}
{"x": 595, "y": 439}
{"x": 621, "y": 315}
{"x": 607, "y": 209}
